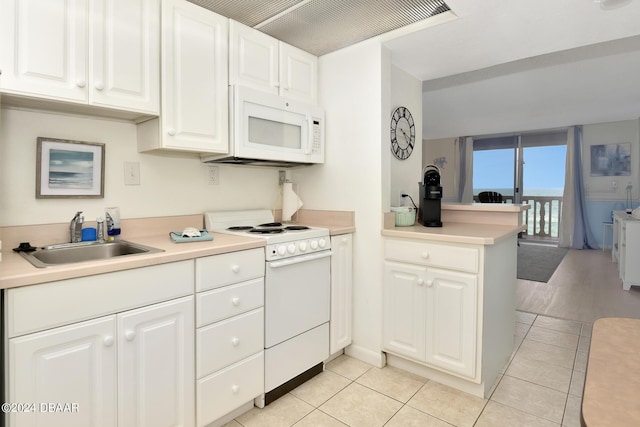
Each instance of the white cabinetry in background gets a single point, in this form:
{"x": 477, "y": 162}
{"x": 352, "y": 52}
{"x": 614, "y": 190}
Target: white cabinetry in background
{"x": 450, "y": 307}
{"x": 120, "y": 365}
{"x": 626, "y": 247}
{"x": 102, "y": 52}
{"x": 195, "y": 93}
{"x": 341, "y": 292}
{"x": 260, "y": 61}
{"x": 230, "y": 332}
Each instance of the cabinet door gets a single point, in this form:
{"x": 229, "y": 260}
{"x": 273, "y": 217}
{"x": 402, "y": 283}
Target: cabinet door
{"x": 298, "y": 74}
{"x": 341, "y": 292}
{"x": 404, "y": 309}
{"x": 44, "y": 48}
{"x": 73, "y": 364}
{"x": 125, "y": 54}
{"x": 156, "y": 376}
{"x": 194, "y": 78}
{"x": 451, "y": 321}
{"x": 253, "y": 58}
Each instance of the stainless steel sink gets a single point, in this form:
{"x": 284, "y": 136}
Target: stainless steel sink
{"x": 69, "y": 253}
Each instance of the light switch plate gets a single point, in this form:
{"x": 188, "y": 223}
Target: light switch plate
{"x": 131, "y": 173}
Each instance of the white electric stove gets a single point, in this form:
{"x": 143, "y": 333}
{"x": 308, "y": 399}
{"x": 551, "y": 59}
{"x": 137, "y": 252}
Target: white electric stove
{"x": 297, "y": 291}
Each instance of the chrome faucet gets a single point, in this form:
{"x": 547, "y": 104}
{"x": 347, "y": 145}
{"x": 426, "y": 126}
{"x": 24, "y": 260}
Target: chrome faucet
{"x": 75, "y": 227}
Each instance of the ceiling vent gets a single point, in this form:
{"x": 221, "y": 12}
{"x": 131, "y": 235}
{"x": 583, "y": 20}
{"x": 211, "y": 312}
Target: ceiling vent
{"x": 322, "y": 26}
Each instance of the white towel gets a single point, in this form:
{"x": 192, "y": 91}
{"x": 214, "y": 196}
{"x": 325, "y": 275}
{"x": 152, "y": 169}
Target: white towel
{"x": 290, "y": 201}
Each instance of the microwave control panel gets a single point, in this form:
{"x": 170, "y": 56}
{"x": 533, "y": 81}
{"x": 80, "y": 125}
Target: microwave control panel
{"x": 316, "y": 141}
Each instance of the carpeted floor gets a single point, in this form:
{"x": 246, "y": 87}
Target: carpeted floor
{"x": 538, "y": 262}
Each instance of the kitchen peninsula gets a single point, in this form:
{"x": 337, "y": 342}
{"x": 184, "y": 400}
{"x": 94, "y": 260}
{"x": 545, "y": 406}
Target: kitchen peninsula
{"x": 449, "y": 294}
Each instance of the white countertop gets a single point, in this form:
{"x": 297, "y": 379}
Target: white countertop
{"x": 455, "y": 232}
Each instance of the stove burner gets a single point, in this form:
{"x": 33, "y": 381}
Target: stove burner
{"x": 271, "y": 224}
{"x": 266, "y": 230}
{"x": 240, "y": 228}
{"x": 296, "y": 227}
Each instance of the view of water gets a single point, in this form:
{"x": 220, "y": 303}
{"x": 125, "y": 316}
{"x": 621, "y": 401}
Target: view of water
{"x": 552, "y": 207}
{"x": 70, "y": 179}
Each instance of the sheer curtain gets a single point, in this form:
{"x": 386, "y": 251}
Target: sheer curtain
{"x": 465, "y": 171}
{"x": 574, "y": 229}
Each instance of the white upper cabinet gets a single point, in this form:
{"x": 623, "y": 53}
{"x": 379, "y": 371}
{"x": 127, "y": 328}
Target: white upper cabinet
{"x": 97, "y": 52}
{"x": 195, "y": 93}
{"x": 260, "y": 61}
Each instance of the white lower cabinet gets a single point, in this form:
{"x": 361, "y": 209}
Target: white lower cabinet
{"x": 449, "y": 309}
{"x": 341, "y": 292}
{"x": 109, "y": 370}
{"x": 430, "y": 313}
{"x": 128, "y": 367}
{"x": 73, "y": 364}
{"x": 229, "y": 334}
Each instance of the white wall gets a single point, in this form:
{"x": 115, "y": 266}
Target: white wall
{"x": 352, "y": 92}
{"x": 171, "y": 184}
{"x": 594, "y": 84}
{"x": 406, "y": 91}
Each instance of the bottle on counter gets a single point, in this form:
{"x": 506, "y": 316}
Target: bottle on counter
{"x": 113, "y": 223}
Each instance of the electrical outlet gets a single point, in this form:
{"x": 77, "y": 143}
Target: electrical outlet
{"x": 614, "y": 184}
{"x": 213, "y": 175}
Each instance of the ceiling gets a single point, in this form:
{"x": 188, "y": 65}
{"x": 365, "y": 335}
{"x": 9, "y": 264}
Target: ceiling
{"x": 323, "y": 26}
{"x": 472, "y": 35}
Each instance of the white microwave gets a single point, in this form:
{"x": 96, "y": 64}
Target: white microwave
{"x": 270, "y": 130}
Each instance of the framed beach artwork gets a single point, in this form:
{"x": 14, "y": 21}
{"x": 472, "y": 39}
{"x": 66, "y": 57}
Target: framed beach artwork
{"x": 69, "y": 169}
{"x": 611, "y": 159}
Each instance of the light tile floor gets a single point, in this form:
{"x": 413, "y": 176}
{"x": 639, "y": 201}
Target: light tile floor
{"x": 541, "y": 386}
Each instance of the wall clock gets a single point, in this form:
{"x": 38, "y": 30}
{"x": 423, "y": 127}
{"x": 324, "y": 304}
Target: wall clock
{"x": 403, "y": 133}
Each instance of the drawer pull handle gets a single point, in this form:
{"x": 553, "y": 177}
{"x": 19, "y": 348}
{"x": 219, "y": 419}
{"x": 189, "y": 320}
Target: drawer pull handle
{"x": 235, "y": 301}
{"x": 99, "y": 86}
{"x": 425, "y": 255}
{"x": 235, "y": 268}
{"x": 171, "y": 132}
{"x": 429, "y": 283}
{"x": 235, "y": 388}
{"x": 108, "y": 341}
{"x": 130, "y": 335}
{"x": 235, "y": 341}
{"x": 420, "y": 282}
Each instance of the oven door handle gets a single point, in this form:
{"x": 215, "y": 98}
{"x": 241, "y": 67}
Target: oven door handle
{"x": 299, "y": 259}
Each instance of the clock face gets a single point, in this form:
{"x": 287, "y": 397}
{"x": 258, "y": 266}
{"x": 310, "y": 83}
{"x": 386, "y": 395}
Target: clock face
{"x": 403, "y": 133}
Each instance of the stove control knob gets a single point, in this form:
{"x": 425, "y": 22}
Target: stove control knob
{"x": 291, "y": 248}
{"x": 314, "y": 244}
{"x": 302, "y": 246}
{"x": 322, "y": 243}
{"x": 282, "y": 250}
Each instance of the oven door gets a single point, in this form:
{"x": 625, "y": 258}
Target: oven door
{"x": 297, "y": 293}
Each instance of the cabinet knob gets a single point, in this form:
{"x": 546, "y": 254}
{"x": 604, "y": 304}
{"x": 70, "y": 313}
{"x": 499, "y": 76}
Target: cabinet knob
{"x": 171, "y": 131}
{"x": 235, "y": 341}
{"x": 235, "y": 388}
{"x": 81, "y": 83}
{"x": 99, "y": 86}
{"x": 130, "y": 335}
{"x": 108, "y": 341}
{"x": 235, "y": 268}
{"x": 235, "y": 301}
{"x": 425, "y": 255}
{"x": 429, "y": 283}
{"x": 344, "y": 241}
{"x": 420, "y": 282}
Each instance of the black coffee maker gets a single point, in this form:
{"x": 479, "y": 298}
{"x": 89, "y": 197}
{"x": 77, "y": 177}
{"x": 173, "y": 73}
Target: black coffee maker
{"x": 430, "y": 197}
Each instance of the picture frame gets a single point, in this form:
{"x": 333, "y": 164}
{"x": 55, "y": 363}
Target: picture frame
{"x": 69, "y": 169}
{"x": 611, "y": 159}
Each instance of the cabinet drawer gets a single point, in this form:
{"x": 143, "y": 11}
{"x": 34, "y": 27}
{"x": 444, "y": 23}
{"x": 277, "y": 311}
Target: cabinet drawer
{"x": 229, "y": 341}
{"x": 229, "y": 301}
{"x": 432, "y": 254}
{"x": 226, "y": 390}
{"x": 47, "y": 305}
{"x": 220, "y": 270}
